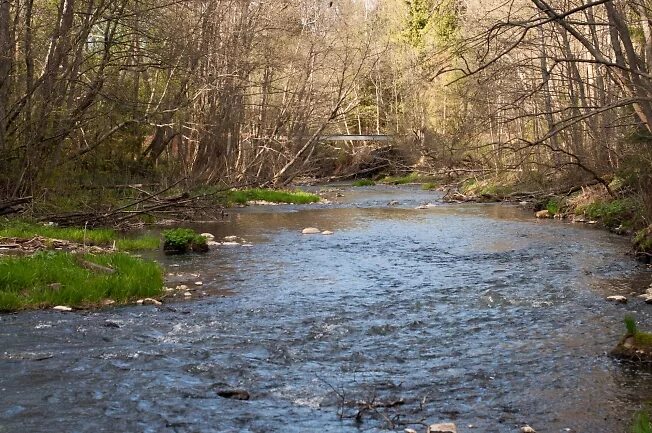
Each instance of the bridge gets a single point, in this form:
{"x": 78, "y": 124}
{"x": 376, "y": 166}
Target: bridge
{"x": 355, "y": 137}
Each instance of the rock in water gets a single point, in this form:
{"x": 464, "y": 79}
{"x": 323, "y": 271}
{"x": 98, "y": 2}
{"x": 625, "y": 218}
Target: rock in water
{"x": 528, "y": 429}
{"x": 409, "y": 430}
{"x": 543, "y": 214}
{"x": 208, "y": 236}
{"x": 311, "y": 231}
{"x": 62, "y": 308}
{"x": 327, "y": 233}
{"x": 617, "y": 298}
{"x": 151, "y": 301}
{"x": 230, "y": 238}
{"x": 442, "y": 428}
{"x": 234, "y": 394}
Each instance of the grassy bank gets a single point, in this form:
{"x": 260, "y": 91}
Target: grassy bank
{"x": 244, "y": 196}
{"x": 46, "y": 279}
{"x": 99, "y": 237}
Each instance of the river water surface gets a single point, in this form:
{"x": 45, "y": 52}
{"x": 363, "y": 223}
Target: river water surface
{"x": 474, "y": 314}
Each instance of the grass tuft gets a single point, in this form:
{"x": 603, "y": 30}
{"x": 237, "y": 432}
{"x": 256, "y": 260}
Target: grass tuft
{"x": 630, "y": 324}
{"x": 50, "y": 278}
{"x": 642, "y": 423}
{"x": 182, "y": 240}
{"x": 270, "y": 195}
{"x": 364, "y": 182}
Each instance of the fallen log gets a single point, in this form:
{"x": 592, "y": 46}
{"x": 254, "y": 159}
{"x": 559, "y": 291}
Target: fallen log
{"x": 8, "y": 207}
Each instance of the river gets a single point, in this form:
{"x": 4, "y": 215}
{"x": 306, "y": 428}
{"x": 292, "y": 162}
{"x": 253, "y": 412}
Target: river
{"x": 474, "y": 314}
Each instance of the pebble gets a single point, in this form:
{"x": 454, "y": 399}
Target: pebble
{"x": 617, "y": 298}
{"x": 311, "y": 231}
{"x": 409, "y": 430}
{"x": 182, "y": 287}
{"x": 62, "y": 308}
{"x": 198, "y": 283}
{"x": 187, "y": 294}
{"x": 442, "y": 428}
{"x": 527, "y": 429}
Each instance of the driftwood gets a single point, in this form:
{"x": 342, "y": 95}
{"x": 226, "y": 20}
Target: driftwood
{"x": 14, "y": 205}
{"x": 150, "y": 203}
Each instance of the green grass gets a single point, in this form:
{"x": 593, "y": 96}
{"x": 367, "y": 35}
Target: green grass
{"x": 490, "y": 187}
{"x": 429, "y": 186}
{"x": 642, "y": 423}
{"x": 614, "y": 213}
{"x": 270, "y": 195}
{"x": 554, "y": 205}
{"x": 403, "y": 180}
{"x": 25, "y": 282}
{"x": 364, "y": 182}
{"x": 100, "y": 237}
{"x": 630, "y": 324}
{"x": 641, "y": 339}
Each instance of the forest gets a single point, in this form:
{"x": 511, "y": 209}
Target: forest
{"x": 98, "y": 93}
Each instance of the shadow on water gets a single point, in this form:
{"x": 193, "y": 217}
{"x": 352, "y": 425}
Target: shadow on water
{"x": 476, "y": 314}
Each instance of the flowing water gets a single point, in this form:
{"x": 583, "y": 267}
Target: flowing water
{"x": 475, "y": 314}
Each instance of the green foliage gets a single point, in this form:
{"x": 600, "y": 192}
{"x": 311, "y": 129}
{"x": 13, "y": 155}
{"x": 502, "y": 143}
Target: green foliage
{"x": 55, "y": 278}
{"x": 490, "y": 187}
{"x": 428, "y": 186}
{"x": 181, "y": 240}
{"x": 364, "y": 182}
{"x": 643, "y": 240}
{"x": 101, "y": 237}
{"x": 630, "y": 324}
{"x": 418, "y": 16}
{"x": 270, "y": 195}
{"x": 554, "y": 205}
{"x": 642, "y": 423}
{"x": 614, "y": 213}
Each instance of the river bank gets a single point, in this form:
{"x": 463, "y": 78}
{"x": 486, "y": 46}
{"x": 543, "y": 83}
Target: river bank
{"x": 400, "y": 303}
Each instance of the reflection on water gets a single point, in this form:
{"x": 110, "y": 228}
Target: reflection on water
{"x": 472, "y": 313}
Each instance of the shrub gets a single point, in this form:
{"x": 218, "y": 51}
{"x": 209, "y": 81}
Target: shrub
{"x": 182, "y": 240}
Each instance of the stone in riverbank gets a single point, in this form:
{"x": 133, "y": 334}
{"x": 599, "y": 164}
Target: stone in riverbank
{"x": 62, "y": 308}
{"x": 442, "y": 428}
{"x": 617, "y": 298}
{"x": 311, "y": 231}
{"x": 543, "y": 214}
